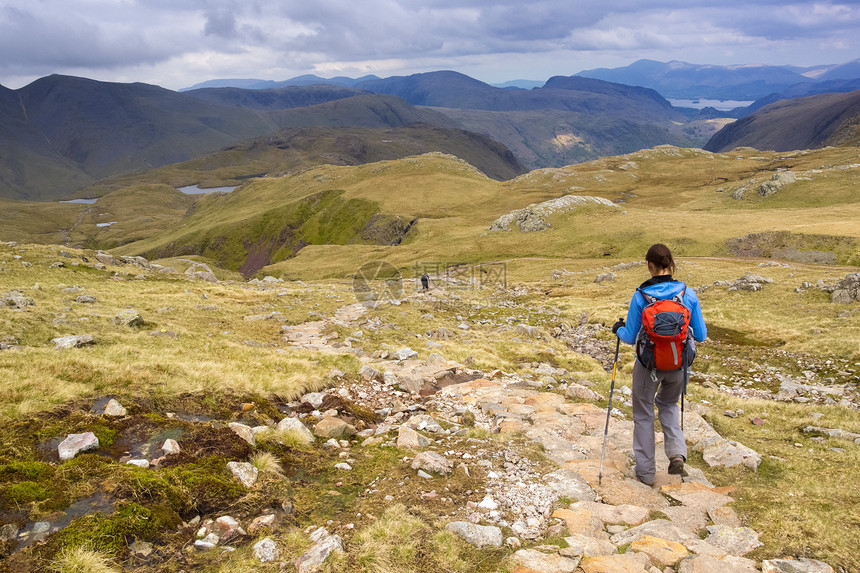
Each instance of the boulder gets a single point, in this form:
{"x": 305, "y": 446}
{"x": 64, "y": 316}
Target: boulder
{"x": 325, "y": 545}
{"x": 369, "y": 373}
{"x": 409, "y": 438}
{"x": 244, "y": 472}
{"x": 266, "y": 550}
{"x": 777, "y": 182}
{"x": 170, "y": 446}
{"x": 66, "y": 342}
{"x": 331, "y": 427}
{"x": 295, "y": 425}
{"x": 128, "y": 317}
{"x": 114, "y": 409}
{"x": 433, "y": 463}
{"x": 478, "y": 535}
{"x": 86, "y": 299}
{"x": 405, "y": 354}
{"x": 576, "y": 391}
{"x": 106, "y": 259}
{"x": 17, "y": 299}
{"x": 243, "y": 431}
{"x": 76, "y": 443}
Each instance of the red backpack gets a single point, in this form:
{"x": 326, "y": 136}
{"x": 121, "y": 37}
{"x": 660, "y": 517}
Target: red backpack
{"x": 663, "y": 343}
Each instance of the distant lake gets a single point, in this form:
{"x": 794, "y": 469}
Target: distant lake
{"x": 105, "y": 224}
{"x": 722, "y": 105}
{"x": 195, "y": 190}
{"x": 85, "y": 201}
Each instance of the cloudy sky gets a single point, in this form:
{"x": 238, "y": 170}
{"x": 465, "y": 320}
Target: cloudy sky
{"x": 177, "y": 43}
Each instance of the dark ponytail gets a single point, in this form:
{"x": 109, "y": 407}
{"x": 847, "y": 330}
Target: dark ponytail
{"x": 660, "y": 256}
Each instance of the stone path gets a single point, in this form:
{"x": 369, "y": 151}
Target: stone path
{"x": 616, "y": 524}
{"x": 310, "y": 335}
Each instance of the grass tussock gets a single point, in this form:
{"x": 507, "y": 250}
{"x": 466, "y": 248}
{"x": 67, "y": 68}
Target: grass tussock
{"x": 291, "y": 438}
{"x": 82, "y": 560}
{"x": 267, "y": 463}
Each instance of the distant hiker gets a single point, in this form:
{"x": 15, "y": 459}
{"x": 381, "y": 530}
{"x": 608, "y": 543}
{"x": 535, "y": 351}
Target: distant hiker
{"x": 425, "y": 282}
{"x": 660, "y": 306}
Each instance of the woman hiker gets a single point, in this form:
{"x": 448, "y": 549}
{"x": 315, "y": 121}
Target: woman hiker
{"x": 662, "y": 387}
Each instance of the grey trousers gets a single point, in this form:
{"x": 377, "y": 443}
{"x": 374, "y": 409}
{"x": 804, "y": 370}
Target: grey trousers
{"x": 665, "y": 393}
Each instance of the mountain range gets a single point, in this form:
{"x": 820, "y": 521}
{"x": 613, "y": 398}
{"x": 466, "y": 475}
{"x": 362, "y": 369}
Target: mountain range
{"x": 62, "y": 133}
{"x": 683, "y": 80}
{"x": 801, "y": 123}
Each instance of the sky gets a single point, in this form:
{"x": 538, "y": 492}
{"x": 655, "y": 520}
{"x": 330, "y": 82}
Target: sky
{"x": 178, "y": 43}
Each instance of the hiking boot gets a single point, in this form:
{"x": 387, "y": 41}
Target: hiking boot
{"x": 676, "y": 466}
{"x": 649, "y": 483}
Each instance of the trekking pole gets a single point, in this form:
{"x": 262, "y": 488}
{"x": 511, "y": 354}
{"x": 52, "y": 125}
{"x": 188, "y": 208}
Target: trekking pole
{"x": 608, "y": 410}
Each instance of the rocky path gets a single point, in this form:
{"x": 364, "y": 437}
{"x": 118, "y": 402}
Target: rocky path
{"x": 616, "y": 524}
{"x": 311, "y": 335}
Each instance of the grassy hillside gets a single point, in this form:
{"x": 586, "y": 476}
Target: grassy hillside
{"x": 325, "y": 221}
{"x": 452, "y": 205}
{"x": 301, "y": 148}
{"x": 801, "y": 123}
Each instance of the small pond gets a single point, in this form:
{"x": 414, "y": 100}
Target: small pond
{"x": 195, "y": 190}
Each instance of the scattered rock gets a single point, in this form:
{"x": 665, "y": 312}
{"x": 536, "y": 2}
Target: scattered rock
{"x": 66, "y": 342}
{"x": 17, "y": 299}
{"x": 405, "y": 354}
{"x": 409, "y": 438}
{"x": 369, "y": 373}
{"x": 325, "y": 545}
{"x": 433, "y": 463}
{"x": 478, "y": 535}
{"x": 244, "y": 472}
{"x": 170, "y": 446}
{"x": 114, "y": 409}
{"x": 296, "y": 425}
{"x": 243, "y": 431}
{"x": 128, "y": 317}
{"x": 777, "y": 182}
{"x": 576, "y": 391}
{"x": 266, "y": 550}
{"x": 331, "y": 427}
{"x": 263, "y": 521}
{"x": 77, "y": 443}
{"x": 533, "y": 217}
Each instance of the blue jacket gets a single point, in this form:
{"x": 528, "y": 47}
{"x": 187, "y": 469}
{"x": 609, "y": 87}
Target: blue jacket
{"x": 662, "y": 287}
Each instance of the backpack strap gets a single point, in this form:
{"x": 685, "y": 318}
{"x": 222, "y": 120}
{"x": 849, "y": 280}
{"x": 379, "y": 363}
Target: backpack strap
{"x": 649, "y": 299}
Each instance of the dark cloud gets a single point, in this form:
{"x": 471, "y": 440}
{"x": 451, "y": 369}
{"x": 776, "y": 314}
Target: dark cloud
{"x": 220, "y": 23}
{"x": 263, "y": 37}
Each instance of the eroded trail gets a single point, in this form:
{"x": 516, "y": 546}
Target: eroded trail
{"x": 607, "y": 523}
